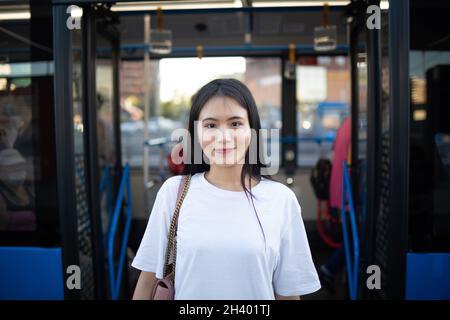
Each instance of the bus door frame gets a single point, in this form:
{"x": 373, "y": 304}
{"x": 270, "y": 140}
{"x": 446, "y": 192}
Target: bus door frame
{"x": 65, "y": 141}
{"x": 398, "y": 152}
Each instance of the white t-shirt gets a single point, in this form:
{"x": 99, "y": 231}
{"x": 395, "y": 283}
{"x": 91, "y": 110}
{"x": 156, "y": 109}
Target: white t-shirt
{"x": 221, "y": 252}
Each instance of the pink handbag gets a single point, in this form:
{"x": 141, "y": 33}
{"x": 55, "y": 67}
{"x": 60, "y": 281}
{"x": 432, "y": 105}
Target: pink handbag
{"x": 164, "y": 288}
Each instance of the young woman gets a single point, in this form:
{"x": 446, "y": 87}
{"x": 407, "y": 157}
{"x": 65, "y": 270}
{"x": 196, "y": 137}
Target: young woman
{"x": 240, "y": 234}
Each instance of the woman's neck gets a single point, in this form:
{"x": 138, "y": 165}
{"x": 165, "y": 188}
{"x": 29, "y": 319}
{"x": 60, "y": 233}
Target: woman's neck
{"x": 227, "y": 177}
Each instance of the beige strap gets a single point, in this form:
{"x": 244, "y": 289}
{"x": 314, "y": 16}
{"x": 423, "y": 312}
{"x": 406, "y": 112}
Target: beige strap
{"x": 171, "y": 242}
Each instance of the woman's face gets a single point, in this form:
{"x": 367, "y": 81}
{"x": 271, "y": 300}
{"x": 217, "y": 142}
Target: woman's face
{"x": 224, "y": 131}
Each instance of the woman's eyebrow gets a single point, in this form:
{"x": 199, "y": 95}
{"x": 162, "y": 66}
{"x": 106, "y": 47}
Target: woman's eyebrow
{"x": 235, "y": 118}
{"x": 230, "y": 118}
{"x": 209, "y": 118}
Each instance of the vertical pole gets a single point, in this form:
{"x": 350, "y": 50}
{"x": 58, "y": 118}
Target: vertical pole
{"x": 354, "y": 104}
{"x": 147, "y": 84}
{"x": 289, "y": 119}
{"x": 91, "y": 147}
{"x": 373, "y": 145}
{"x": 399, "y": 145}
{"x": 65, "y": 164}
{"x": 116, "y": 114}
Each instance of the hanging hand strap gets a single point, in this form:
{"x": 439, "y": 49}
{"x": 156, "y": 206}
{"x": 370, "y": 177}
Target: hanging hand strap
{"x": 171, "y": 241}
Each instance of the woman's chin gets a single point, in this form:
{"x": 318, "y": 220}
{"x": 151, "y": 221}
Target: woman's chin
{"x": 227, "y": 164}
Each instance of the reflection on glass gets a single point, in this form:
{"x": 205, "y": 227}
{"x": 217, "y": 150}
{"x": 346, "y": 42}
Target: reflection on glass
{"x": 361, "y": 164}
{"x": 18, "y": 157}
{"x": 362, "y": 99}
{"x": 105, "y": 135}
{"x": 105, "y": 138}
{"x": 323, "y": 98}
{"x": 28, "y": 205}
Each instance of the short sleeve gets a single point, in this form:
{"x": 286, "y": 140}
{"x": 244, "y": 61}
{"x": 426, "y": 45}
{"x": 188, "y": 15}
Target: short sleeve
{"x": 151, "y": 253}
{"x": 295, "y": 273}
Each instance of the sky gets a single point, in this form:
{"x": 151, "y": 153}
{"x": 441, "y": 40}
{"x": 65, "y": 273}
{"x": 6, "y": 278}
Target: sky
{"x": 187, "y": 75}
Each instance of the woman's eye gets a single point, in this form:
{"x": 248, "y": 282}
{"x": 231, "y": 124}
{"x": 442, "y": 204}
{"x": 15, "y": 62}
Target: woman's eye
{"x": 236, "y": 124}
{"x": 209, "y": 125}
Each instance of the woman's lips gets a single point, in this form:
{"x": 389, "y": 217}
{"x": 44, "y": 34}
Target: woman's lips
{"x": 224, "y": 150}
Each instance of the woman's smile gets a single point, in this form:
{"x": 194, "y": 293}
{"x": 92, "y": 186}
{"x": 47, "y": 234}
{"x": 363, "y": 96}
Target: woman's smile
{"x": 224, "y": 150}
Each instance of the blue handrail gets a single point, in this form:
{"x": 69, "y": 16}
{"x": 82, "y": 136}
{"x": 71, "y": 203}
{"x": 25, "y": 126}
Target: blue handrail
{"x": 352, "y": 271}
{"x": 113, "y": 279}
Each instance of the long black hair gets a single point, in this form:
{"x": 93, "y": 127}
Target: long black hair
{"x": 236, "y": 90}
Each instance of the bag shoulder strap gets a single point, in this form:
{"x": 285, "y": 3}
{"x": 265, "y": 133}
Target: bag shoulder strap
{"x": 171, "y": 241}
{"x": 181, "y": 186}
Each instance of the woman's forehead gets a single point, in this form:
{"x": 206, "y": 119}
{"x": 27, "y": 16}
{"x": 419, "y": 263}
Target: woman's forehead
{"x": 222, "y": 108}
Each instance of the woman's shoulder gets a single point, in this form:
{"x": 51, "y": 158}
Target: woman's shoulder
{"x": 171, "y": 184}
{"x": 167, "y": 193}
{"x": 278, "y": 189}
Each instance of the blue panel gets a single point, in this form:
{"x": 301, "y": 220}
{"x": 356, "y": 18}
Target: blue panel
{"x": 31, "y": 273}
{"x": 428, "y": 276}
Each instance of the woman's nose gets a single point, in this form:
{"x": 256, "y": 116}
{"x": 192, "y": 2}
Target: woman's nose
{"x": 224, "y": 135}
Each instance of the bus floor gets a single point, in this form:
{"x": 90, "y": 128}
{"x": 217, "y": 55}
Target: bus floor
{"x": 321, "y": 253}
